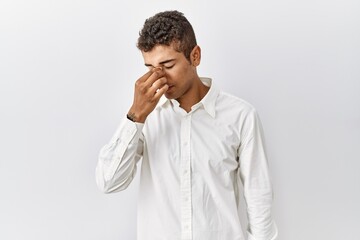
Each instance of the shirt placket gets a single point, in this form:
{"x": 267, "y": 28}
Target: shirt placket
{"x": 185, "y": 185}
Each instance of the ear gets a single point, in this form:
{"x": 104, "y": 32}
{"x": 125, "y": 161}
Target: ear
{"x": 195, "y": 56}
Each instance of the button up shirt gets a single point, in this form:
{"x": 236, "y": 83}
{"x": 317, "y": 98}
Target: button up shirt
{"x": 191, "y": 166}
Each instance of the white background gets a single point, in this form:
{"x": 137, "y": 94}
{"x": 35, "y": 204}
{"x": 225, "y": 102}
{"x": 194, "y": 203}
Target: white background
{"x": 67, "y": 70}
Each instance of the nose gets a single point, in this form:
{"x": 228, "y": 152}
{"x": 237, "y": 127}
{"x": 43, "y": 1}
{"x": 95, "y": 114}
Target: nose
{"x": 161, "y": 70}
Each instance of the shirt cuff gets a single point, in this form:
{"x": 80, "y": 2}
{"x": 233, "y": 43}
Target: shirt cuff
{"x": 139, "y": 126}
{"x": 274, "y": 237}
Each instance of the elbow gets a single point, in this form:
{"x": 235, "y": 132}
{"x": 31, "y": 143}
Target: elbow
{"x": 108, "y": 188}
{"x": 110, "y": 181}
{"x": 110, "y": 185}
{"x": 103, "y": 186}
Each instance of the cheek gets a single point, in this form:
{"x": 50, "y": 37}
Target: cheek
{"x": 178, "y": 75}
{"x": 174, "y": 76}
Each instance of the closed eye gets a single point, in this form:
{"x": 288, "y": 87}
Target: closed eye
{"x": 169, "y": 67}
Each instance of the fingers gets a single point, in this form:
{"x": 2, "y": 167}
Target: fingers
{"x": 161, "y": 91}
{"x": 148, "y": 90}
{"x": 151, "y": 81}
{"x": 158, "y": 84}
{"x": 154, "y": 73}
{"x": 145, "y": 76}
{"x": 151, "y": 84}
{"x": 153, "y": 78}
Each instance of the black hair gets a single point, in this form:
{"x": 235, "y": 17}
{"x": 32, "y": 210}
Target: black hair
{"x": 166, "y": 28}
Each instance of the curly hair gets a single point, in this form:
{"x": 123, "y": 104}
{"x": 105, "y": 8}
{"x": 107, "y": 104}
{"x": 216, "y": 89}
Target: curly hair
{"x": 166, "y": 28}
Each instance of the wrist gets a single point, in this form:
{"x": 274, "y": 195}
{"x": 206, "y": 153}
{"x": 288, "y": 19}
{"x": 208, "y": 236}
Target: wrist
{"x": 135, "y": 116}
{"x": 131, "y": 117}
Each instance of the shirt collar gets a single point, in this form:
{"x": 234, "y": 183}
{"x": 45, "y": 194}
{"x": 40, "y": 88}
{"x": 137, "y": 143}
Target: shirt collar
{"x": 208, "y": 100}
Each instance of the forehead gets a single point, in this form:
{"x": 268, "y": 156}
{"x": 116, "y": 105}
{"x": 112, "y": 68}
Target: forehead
{"x": 161, "y": 53}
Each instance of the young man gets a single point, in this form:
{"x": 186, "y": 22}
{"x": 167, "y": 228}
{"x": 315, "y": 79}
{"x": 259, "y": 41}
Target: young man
{"x": 197, "y": 144}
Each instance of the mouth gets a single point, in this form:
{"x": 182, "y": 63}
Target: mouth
{"x": 170, "y": 87}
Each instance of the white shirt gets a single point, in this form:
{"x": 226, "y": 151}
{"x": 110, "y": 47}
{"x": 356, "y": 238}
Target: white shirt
{"x": 191, "y": 168}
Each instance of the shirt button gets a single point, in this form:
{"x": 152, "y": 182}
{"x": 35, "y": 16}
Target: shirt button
{"x": 185, "y": 143}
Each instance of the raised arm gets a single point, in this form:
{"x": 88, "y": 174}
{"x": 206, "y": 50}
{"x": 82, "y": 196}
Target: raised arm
{"x": 117, "y": 161}
{"x": 116, "y": 165}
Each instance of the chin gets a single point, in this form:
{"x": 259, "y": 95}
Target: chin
{"x": 169, "y": 96}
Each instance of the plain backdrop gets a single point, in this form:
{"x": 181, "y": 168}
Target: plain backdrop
{"x": 67, "y": 70}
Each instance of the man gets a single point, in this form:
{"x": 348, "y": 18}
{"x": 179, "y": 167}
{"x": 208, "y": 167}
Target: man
{"x": 197, "y": 144}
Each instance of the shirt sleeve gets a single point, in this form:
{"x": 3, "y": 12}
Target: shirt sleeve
{"x": 117, "y": 160}
{"x": 254, "y": 174}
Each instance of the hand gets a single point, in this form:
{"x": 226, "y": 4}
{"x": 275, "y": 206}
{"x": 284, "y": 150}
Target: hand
{"x": 148, "y": 90}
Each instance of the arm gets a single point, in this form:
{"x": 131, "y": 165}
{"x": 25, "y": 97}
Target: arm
{"x": 116, "y": 166}
{"x": 117, "y": 160}
{"x": 254, "y": 174}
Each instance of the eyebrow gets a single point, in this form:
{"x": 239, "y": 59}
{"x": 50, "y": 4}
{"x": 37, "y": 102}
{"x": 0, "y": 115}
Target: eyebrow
{"x": 163, "y": 62}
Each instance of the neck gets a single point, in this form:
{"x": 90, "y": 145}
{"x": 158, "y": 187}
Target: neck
{"x": 194, "y": 95}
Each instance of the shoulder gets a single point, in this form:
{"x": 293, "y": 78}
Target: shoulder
{"x": 227, "y": 101}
